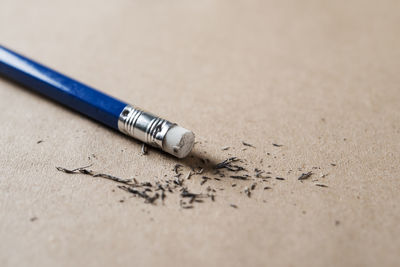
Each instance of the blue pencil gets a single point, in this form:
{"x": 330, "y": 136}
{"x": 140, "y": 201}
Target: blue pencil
{"x": 101, "y": 107}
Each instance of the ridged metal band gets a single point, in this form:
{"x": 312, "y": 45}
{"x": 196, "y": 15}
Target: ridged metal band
{"x": 144, "y": 126}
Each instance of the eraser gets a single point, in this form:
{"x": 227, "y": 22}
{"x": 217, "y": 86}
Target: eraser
{"x": 178, "y": 141}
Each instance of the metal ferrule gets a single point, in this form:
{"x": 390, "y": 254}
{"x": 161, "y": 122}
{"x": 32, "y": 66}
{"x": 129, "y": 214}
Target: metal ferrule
{"x": 144, "y": 126}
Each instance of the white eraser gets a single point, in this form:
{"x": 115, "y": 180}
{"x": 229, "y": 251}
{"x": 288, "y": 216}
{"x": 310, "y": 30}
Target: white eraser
{"x": 178, "y": 141}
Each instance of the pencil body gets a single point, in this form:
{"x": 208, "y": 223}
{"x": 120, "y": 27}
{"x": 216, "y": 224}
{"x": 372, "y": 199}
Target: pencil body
{"x": 101, "y": 107}
{"x": 61, "y": 88}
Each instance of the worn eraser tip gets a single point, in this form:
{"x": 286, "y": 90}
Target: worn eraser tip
{"x": 178, "y": 141}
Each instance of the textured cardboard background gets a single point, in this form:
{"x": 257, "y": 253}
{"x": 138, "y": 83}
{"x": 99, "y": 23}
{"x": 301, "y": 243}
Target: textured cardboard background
{"x": 320, "y": 77}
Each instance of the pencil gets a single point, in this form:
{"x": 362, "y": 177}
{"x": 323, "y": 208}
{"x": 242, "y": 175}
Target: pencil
{"x": 114, "y": 113}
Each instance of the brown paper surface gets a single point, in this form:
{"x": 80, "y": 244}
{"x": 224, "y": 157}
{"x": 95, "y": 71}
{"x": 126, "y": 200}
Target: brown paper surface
{"x": 320, "y": 78}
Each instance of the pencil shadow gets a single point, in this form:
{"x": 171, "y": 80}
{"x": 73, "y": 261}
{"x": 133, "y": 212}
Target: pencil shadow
{"x": 195, "y": 159}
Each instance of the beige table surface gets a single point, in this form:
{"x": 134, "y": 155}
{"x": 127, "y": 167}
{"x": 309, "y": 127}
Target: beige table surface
{"x": 320, "y": 78}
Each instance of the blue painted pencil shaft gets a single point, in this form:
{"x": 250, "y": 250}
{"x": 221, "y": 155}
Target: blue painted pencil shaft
{"x": 61, "y": 88}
